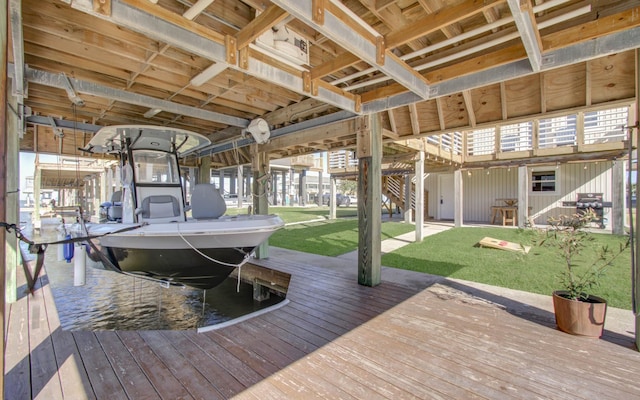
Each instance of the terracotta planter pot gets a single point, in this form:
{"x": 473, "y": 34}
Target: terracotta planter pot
{"x": 584, "y": 318}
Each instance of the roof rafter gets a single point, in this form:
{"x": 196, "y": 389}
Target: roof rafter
{"x": 346, "y": 30}
{"x": 160, "y": 24}
{"x": 525, "y": 20}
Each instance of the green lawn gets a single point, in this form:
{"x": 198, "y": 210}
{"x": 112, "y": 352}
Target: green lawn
{"x": 453, "y": 254}
{"x": 329, "y": 238}
{"x": 299, "y": 214}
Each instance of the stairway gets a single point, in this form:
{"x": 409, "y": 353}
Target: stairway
{"x": 393, "y": 188}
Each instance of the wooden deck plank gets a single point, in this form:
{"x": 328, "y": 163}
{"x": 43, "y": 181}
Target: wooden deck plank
{"x": 129, "y": 374}
{"x": 215, "y": 372}
{"x": 102, "y": 376}
{"x": 335, "y": 339}
{"x": 17, "y": 357}
{"x": 542, "y": 350}
{"x": 162, "y": 379}
{"x": 45, "y": 381}
{"x": 73, "y": 377}
{"x": 190, "y": 377}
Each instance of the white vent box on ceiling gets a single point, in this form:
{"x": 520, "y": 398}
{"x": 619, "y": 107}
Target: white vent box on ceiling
{"x": 285, "y": 43}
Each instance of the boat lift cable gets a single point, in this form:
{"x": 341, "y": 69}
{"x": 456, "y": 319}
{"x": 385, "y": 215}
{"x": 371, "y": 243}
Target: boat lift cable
{"x": 246, "y": 258}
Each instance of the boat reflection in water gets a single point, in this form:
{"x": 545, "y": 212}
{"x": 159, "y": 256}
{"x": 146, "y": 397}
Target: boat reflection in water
{"x": 110, "y": 301}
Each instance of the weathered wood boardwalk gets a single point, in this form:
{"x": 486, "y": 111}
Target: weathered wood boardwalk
{"x": 335, "y": 339}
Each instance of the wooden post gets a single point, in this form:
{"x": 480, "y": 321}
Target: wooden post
{"x": 458, "y": 189}
{"x": 369, "y": 152}
{"x": 618, "y": 183}
{"x": 4, "y": 5}
{"x": 302, "y": 188}
{"x": 419, "y": 212}
{"x": 284, "y": 188}
{"x": 204, "y": 173}
{"x": 240, "y": 186}
{"x": 260, "y": 166}
{"x": 523, "y": 195}
{"x": 332, "y": 197}
{"x": 408, "y": 217}
{"x": 12, "y": 250}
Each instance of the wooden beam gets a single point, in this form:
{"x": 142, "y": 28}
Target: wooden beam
{"x": 468, "y": 102}
{"x": 413, "y": 115}
{"x": 522, "y": 12}
{"x": 4, "y": 6}
{"x": 260, "y": 24}
{"x": 333, "y": 65}
{"x": 369, "y": 201}
{"x": 355, "y": 36}
{"x": 437, "y": 21}
{"x": 260, "y": 166}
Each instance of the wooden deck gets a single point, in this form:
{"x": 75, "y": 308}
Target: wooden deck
{"x": 334, "y": 339}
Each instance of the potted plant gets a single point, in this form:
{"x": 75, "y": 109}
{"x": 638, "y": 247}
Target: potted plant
{"x": 577, "y": 311}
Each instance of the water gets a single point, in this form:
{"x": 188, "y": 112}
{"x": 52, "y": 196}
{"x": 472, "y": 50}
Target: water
{"x": 112, "y": 301}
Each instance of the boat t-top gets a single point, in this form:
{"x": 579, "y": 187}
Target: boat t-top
{"x": 148, "y": 232}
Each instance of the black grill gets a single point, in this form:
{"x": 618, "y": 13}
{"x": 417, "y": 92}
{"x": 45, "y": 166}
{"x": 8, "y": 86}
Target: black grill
{"x": 592, "y": 201}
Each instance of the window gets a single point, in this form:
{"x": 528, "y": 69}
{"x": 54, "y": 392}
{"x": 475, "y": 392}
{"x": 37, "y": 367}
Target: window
{"x": 543, "y": 181}
{"x": 155, "y": 167}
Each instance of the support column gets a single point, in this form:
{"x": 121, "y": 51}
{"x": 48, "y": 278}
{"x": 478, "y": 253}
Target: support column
{"x": 274, "y": 187}
{"x": 12, "y": 204}
{"x": 302, "y": 188}
{"x": 204, "y": 173}
{"x": 369, "y": 153}
{"x": 37, "y": 184}
{"x": 618, "y": 184}
{"x": 233, "y": 174}
{"x": 332, "y": 196}
{"x": 458, "y": 190}
{"x": 284, "y": 188}
{"x": 240, "y": 186}
{"x": 523, "y": 195}
{"x": 260, "y": 168}
{"x": 419, "y": 196}
{"x": 407, "y": 199}
{"x": 3, "y": 166}
{"x": 320, "y": 191}
{"x": 292, "y": 177}
{"x": 221, "y": 178}
{"x": 247, "y": 188}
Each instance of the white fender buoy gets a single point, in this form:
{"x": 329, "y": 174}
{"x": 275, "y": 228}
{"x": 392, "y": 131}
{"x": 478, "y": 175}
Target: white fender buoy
{"x": 79, "y": 264}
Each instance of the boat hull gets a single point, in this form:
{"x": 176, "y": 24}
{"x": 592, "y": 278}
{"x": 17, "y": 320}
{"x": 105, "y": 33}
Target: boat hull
{"x": 199, "y": 254}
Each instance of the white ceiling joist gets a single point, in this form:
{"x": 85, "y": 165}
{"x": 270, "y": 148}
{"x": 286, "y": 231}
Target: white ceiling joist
{"x": 581, "y": 52}
{"x": 137, "y": 20}
{"x": 62, "y": 81}
{"x": 343, "y": 34}
{"x": 526, "y": 24}
{"x": 19, "y": 87}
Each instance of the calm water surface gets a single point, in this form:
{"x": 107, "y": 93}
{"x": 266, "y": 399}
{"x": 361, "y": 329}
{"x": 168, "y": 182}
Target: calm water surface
{"x": 112, "y": 301}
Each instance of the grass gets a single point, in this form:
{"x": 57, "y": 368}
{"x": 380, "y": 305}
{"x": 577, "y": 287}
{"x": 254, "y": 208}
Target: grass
{"x": 453, "y": 254}
{"x": 300, "y": 214}
{"x": 329, "y": 238}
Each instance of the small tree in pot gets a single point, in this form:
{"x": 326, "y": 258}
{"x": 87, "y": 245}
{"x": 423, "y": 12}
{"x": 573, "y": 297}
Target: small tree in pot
{"x": 578, "y": 312}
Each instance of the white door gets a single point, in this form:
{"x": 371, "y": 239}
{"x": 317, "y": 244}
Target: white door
{"x": 446, "y": 200}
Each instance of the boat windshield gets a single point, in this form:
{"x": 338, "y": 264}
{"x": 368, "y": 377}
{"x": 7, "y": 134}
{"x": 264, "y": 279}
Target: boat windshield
{"x": 155, "y": 167}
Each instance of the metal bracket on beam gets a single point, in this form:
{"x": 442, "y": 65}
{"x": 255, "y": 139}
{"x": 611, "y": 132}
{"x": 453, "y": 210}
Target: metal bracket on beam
{"x": 56, "y": 131}
{"x": 71, "y": 92}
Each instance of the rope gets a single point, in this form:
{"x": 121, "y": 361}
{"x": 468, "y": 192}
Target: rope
{"x": 246, "y": 258}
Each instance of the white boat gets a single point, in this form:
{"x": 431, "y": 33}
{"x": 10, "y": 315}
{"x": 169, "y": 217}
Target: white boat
{"x": 148, "y": 233}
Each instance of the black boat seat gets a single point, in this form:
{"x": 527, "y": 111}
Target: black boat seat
{"x": 207, "y": 202}
{"x": 160, "y": 206}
